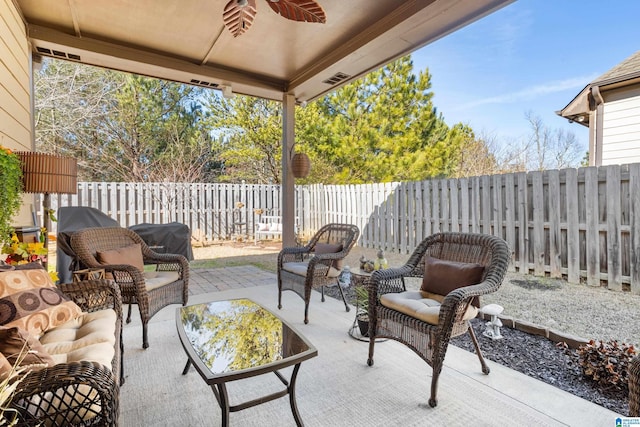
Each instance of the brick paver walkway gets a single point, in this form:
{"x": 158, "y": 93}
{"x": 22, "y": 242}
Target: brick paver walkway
{"x": 205, "y": 280}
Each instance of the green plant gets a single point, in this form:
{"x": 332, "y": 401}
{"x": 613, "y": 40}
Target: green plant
{"x": 362, "y": 299}
{"x": 606, "y": 362}
{"x": 10, "y": 196}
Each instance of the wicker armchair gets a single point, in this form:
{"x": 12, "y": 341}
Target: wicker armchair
{"x": 634, "y": 387}
{"x": 135, "y": 285}
{"x": 300, "y": 272}
{"x": 76, "y": 393}
{"x": 430, "y": 340}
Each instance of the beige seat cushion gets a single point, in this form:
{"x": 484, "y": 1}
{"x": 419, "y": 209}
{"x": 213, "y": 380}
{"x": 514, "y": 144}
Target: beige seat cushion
{"x": 300, "y": 268}
{"x": 89, "y": 337}
{"x": 421, "y": 305}
{"x": 156, "y": 279}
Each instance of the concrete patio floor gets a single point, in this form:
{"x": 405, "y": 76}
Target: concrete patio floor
{"x": 538, "y": 396}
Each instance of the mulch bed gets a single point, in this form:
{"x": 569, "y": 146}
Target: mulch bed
{"x": 540, "y": 358}
{"x": 535, "y": 356}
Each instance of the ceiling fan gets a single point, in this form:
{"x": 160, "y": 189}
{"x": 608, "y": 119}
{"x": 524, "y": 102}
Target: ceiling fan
{"x": 238, "y": 14}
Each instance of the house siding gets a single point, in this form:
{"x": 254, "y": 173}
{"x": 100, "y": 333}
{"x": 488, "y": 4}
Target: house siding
{"x": 621, "y": 127}
{"x": 16, "y": 129}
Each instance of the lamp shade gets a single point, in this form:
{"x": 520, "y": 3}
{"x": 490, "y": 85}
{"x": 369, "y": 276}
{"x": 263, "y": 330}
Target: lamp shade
{"x": 300, "y": 165}
{"x": 48, "y": 173}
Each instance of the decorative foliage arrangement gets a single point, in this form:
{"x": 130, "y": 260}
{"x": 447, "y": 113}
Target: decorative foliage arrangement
{"x": 606, "y": 362}
{"x": 9, "y": 382}
{"x": 22, "y": 253}
{"x": 10, "y": 196}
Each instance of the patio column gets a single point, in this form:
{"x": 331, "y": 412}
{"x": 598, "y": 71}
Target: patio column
{"x": 288, "y": 181}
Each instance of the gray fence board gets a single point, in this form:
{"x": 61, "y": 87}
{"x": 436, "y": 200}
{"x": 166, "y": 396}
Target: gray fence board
{"x": 579, "y": 223}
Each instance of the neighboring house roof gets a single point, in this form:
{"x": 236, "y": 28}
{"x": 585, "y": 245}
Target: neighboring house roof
{"x": 625, "y": 73}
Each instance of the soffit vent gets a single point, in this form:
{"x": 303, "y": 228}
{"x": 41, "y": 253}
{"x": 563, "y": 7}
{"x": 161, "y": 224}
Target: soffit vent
{"x": 58, "y": 53}
{"x": 203, "y": 83}
{"x": 336, "y": 78}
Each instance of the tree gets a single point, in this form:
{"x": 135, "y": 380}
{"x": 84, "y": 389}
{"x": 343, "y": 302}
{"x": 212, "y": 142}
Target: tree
{"x": 384, "y": 127}
{"x": 71, "y": 103}
{"x": 549, "y": 148}
{"x": 122, "y": 127}
{"x": 249, "y": 134}
{"x": 477, "y": 158}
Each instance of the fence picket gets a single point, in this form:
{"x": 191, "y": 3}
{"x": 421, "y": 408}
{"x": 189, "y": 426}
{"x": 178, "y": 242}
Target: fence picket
{"x": 614, "y": 262}
{"x": 573, "y": 229}
{"x": 554, "y": 227}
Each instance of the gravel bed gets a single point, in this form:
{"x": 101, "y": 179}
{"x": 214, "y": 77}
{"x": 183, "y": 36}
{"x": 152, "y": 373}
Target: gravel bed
{"x": 578, "y": 310}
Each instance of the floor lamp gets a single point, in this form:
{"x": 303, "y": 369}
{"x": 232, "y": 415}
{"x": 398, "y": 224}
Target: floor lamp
{"x": 48, "y": 174}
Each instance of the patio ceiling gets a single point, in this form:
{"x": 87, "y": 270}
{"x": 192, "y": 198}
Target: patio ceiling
{"x": 186, "y": 41}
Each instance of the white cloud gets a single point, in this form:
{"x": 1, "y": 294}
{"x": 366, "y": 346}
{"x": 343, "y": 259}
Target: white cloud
{"x": 532, "y": 92}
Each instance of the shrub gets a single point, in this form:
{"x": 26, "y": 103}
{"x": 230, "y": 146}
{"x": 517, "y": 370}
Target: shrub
{"x": 11, "y": 193}
{"x": 606, "y": 362}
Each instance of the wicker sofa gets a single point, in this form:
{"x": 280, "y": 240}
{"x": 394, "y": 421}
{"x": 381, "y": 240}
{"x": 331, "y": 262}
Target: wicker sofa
{"x": 76, "y": 376}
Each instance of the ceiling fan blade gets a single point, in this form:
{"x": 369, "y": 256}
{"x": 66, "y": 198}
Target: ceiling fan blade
{"x": 238, "y": 18}
{"x": 299, "y": 10}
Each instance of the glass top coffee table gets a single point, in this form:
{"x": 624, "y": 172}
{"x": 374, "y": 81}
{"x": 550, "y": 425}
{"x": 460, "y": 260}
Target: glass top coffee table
{"x": 237, "y": 339}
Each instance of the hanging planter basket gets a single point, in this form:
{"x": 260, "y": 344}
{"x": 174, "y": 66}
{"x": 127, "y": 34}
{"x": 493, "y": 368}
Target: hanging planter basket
{"x": 300, "y": 165}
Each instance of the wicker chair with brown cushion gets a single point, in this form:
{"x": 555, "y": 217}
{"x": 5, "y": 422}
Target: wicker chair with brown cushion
{"x": 634, "y": 387}
{"x": 122, "y": 253}
{"x": 456, "y": 268}
{"x": 317, "y": 264}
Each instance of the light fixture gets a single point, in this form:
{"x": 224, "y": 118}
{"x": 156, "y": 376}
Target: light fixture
{"x": 300, "y": 163}
{"x": 243, "y": 3}
{"x": 227, "y": 91}
{"x": 47, "y": 174}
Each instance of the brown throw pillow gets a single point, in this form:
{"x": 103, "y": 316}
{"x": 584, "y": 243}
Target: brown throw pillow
{"x": 17, "y": 345}
{"x": 441, "y": 277}
{"x": 5, "y": 368}
{"x": 129, "y": 255}
{"x": 30, "y": 300}
{"x": 329, "y": 248}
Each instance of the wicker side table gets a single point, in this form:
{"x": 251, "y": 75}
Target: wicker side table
{"x": 359, "y": 279}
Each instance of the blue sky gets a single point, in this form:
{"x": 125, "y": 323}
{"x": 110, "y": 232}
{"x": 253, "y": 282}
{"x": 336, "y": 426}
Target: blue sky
{"x": 532, "y": 55}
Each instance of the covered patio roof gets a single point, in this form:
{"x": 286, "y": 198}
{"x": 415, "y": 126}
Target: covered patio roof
{"x": 276, "y": 58}
{"x": 187, "y": 41}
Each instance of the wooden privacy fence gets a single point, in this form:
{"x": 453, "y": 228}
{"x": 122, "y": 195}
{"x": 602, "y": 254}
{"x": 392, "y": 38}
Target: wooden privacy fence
{"x": 581, "y": 224}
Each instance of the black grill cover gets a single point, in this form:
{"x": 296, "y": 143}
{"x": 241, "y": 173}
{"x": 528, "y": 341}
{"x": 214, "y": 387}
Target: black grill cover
{"x": 172, "y": 238}
{"x": 70, "y": 219}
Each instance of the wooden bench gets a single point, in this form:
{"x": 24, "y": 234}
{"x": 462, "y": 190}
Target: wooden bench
{"x": 269, "y": 226}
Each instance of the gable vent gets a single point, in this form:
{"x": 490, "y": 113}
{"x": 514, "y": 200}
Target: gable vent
{"x": 203, "y": 83}
{"x": 58, "y": 53}
{"x": 336, "y": 78}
